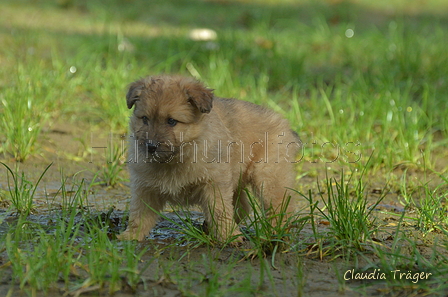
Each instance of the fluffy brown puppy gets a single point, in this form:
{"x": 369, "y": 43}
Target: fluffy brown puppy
{"x": 189, "y": 147}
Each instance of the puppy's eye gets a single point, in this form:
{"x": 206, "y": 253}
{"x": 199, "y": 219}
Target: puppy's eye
{"x": 145, "y": 120}
{"x": 172, "y": 122}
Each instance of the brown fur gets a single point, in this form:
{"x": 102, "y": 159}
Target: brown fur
{"x": 216, "y": 148}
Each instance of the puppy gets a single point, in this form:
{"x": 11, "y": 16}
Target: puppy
{"x": 189, "y": 147}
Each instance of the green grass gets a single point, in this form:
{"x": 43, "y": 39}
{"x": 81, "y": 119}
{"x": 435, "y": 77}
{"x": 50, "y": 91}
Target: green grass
{"x": 346, "y": 210}
{"x": 110, "y": 171}
{"x": 21, "y": 122}
{"x": 384, "y": 88}
{"x": 74, "y": 251}
{"x": 428, "y": 201}
{"x": 271, "y": 233}
{"x": 71, "y": 251}
{"x": 40, "y": 260}
{"x": 21, "y": 190}
{"x": 358, "y": 80}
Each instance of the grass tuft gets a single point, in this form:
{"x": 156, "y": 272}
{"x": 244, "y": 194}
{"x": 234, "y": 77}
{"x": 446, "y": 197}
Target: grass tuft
{"x": 22, "y": 191}
{"x": 345, "y": 210}
{"x": 270, "y": 233}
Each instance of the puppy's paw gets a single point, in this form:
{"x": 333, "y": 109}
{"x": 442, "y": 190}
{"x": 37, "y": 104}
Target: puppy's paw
{"x": 129, "y": 235}
{"x": 237, "y": 241}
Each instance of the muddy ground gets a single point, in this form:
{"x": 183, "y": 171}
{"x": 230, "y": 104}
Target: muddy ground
{"x": 77, "y": 154}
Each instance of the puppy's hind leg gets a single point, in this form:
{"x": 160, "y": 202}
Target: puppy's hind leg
{"x": 241, "y": 205}
{"x": 217, "y": 205}
{"x": 279, "y": 202}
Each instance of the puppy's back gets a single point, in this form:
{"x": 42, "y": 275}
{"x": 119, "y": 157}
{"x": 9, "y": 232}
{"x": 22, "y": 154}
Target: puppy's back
{"x": 251, "y": 119}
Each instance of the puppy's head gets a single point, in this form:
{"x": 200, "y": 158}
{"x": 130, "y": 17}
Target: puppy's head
{"x": 168, "y": 110}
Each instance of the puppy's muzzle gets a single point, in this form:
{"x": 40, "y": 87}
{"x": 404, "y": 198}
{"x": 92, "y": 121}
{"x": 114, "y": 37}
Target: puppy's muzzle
{"x": 152, "y": 147}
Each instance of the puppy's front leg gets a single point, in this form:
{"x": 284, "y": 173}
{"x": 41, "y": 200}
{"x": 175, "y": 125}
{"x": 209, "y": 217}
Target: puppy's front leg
{"x": 143, "y": 214}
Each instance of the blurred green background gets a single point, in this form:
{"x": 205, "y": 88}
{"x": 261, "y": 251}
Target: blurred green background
{"x": 369, "y": 77}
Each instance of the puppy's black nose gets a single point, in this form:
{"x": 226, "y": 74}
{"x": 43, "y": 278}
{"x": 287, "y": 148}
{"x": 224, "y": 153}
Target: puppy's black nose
{"x": 152, "y": 147}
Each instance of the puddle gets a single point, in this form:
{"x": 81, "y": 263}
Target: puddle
{"x": 167, "y": 230}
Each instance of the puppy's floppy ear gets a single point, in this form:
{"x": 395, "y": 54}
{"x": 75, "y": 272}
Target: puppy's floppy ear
{"x": 199, "y": 96}
{"x": 133, "y": 95}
